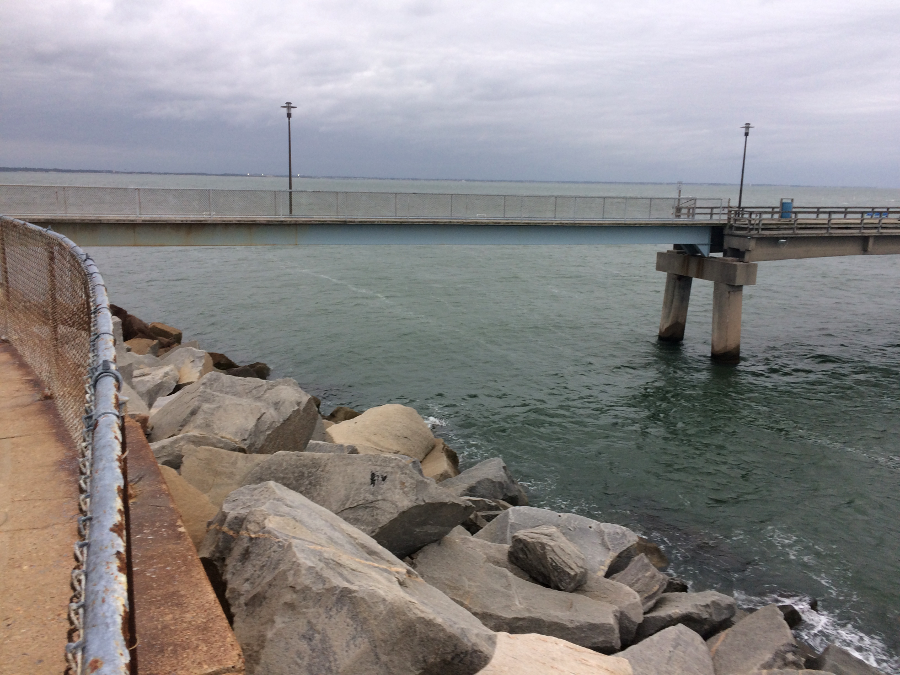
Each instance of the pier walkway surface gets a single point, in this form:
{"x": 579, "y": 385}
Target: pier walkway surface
{"x": 38, "y": 523}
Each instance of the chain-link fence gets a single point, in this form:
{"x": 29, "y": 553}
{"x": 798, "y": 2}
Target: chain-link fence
{"x": 55, "y": 312}
{"x": 33, "y": 200}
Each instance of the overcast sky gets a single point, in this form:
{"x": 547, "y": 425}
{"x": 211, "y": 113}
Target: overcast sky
{"x": 619, "y": 90}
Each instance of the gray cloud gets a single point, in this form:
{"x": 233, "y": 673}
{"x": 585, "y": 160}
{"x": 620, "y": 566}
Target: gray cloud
{"x": 618, "y": 90}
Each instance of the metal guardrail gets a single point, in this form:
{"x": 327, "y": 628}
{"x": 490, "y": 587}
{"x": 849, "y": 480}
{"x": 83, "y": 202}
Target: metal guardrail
{"x": 817, "y": 220}
{"x": 34, "y": 200}
{"x": 55, "y": 311}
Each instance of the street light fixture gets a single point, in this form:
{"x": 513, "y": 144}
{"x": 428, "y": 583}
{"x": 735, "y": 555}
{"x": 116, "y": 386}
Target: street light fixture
{"x": 746, "y": 129}
{"x": 290, "y": 107}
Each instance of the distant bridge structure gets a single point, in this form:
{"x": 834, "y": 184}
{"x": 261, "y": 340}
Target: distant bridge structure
{"x": 697, "y": 228}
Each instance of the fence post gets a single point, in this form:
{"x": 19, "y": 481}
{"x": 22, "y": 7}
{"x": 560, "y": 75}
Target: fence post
{"x": 54, "y": 318}
{"x": 4, "y": 283}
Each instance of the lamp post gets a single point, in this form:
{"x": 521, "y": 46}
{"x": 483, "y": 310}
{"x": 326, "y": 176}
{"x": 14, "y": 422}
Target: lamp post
{"x": 290, "y": 107}
{"x": 746, "y": 129}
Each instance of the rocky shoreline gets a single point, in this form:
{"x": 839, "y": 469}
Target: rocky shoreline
{"x": 352, "y": 543}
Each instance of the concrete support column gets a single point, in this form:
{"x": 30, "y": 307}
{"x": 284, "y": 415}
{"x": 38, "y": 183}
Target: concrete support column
{"x": 675, "y": 308}
{"x": 726, "y": 322}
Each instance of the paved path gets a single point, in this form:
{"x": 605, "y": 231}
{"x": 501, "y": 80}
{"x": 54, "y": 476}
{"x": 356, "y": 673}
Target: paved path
{"x": 38, "y": 511}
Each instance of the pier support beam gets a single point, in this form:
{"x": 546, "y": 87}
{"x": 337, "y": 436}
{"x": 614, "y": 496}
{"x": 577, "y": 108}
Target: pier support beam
{"x": 729, "y": 276}
{"x": 726, "y": 323}
{"x": 675, "y": 308}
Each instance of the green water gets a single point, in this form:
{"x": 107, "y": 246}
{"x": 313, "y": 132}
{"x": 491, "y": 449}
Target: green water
{"x": 776, "y": 478}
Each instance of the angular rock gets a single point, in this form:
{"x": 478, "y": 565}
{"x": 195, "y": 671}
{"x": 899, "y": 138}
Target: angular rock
{"x": 311, "y": 594}
{"x": 221, "y": 362}
{"x": 441, "y": 463}
{"x": 216, "y": 472}
{"x": 676, "y": 585}
{"x": 653, "y": 552}
{"x": 533, "y": 654}
{"x": 191, "y": 364}
{"x": 597, "y": 587}
{"x": 702, "y": 612}
{"x": 151, "y": 383}
{"x": 504, "y": 602}
{"x": 160, "y": 402}
{"x": 762, "y": 641}
{"x": 549, "y": 558}
{"x": 195, "y": 509}
{"x": 599, "y": 543}
{"x": 341, "y": 414}
{"x": 485, "y": 511}
{"x": 258, "y": 370}
{"x": 135, "y": 404}
{"x": 142, "y": 346}
{"x": 382, "y": 495}
{"x": 319, "y": 432}
{"x": 171, "y": 451}
{"x": 674, "y": 651}
{"x": 262, "y": 417}
{"x": 331, "y": 448}
{"x": 791, "y": 671}
{"x": 493, "y": 554}
{"x": 647, "y": 581}
{"x": 839, "y": 661}
{"x": 489, "y": 479}
{"x": 791, "y": 615}
{"x": 161, "y": 330}
{"x": 392, "y": 429}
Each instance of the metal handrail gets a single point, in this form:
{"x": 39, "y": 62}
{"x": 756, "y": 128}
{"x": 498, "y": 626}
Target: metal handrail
{"x": 815, "y": 220}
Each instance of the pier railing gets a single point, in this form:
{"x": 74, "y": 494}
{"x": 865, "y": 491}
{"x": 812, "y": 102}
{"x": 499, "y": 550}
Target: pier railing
{"x": 35, "y": 200}
{"x": 818, "y": 220}
{"x": 55, "y": 312}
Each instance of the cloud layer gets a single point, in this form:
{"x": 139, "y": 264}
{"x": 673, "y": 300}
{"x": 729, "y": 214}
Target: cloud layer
{"x": 619, "y": 90}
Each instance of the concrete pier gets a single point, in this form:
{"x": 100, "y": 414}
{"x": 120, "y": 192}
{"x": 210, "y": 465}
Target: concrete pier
{"x": 675, "y": 308}
{"x": 726, "y": 323}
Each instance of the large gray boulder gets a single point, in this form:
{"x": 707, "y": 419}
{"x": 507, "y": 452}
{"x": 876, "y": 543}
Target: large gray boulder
{"x": 674, "y": 651}
{"x": 312, "y": 594}
{"x": 262, "y": 417}
{"x": 191, "y": 363}
{"x": 533, "y": 654}
{"x": 597, "y": 587}
{"x": 386, "y": 429}
{"x": 171, "y": 451}
{"x": 642, "y": 577}
{"x": 549, "y": 558}
{"x": 703, "y": 613}
{"x": 385, "y": 496}
{"x": 331, "y": 448}
{"x": 761, "y": 641}
{"x": 151, "y": 383}
{"x": 599, "y": 543}
{"x": 489, "y": 480}
{"x": 216, "y": 472}
{"x": 507, "y": 603}
{"x": 841, "y": 662}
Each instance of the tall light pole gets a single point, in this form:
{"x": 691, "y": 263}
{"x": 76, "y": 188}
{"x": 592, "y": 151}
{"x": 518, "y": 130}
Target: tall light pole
{"x": 746, "y": 129}
{"x": 290, "y": 107}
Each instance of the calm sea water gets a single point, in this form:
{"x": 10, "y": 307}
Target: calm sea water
{"x": 774, "y": 479}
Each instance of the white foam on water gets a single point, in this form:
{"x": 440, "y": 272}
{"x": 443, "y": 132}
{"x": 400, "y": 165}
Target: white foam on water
{"x": 435, "y": 422}
{"x": 820, "y": 628}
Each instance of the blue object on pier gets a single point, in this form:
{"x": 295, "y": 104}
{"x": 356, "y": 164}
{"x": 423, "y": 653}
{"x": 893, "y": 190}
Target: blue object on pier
{"x": 787, "y": 208}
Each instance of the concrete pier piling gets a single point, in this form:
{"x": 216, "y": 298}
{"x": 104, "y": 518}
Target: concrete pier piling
{"x": 726, "y": 323}
{"x": 675, "y": 308}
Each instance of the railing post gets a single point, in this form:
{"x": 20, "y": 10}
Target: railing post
{"x": 54, "y": 317}
{"x": 4, "y": 283}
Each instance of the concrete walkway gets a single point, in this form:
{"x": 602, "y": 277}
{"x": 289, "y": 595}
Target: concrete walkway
{"x": 38, "y": 512}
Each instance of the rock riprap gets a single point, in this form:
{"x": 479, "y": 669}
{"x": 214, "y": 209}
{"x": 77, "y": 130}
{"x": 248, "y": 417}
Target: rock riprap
{"x": 674, "y": 651}
{"x": 385, "y": 496}
{"x": 596, "y": 587}
{"x": 839, "y": 661}
{"x": 549, "y": 558}
{"x": 534, "y": 654}
{"x": 642, "y": 577}
{"x": 217, "y": 472}
{"x": 599, "y": 543}
{"x": 151, "y": 383}
{"x": 489, "y": 479}
{"x": 761, "y": 641}
{"x": 312, "y": 594}
{"x": 171, "y": 451}
{"x": 389, "y": 429}
{"x": 703, "y": 613}
{"x": 260, "y": 417}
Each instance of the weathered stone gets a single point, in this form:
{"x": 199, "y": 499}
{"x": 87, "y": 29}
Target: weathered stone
{"x": 507, "y": 603}
{"x": 441, "y": 463}
{"x": 319, "y": 432}
{"x": 341, "y": 414}
{"x": 217, "y": 472}
{"x": 647, "y": 581}
{"x": 791, "y": 615}
{"x": 676, "y": 585}
{"x": 311, "y": 594}
{"x": 533, "y": 654}
{"x": 221, "y": 362}
{"x": 162, "y": 330}
{"x": 135, "y": 404}
{"x": 191, "y": 364}
{"x": 195, "y": 509}
{"x": 331, "y": 448}
{"x": 136, "y": 361}
{"x": 493, "y": 554}
{"x": 383, "y": 495}
{"x": 263, "y": 417}
{"x": 597, "y": 587}
{"x": 142, "y": 346}
{"x": 599, "y": 543}
{"x": 549, "y": 558}
{"x": 171, "y": 451}
{"x": 132, "y": 326}
{"x": 702, "y": 612}
{"x": 151, "y": 383}
{"x": 653, "y": 552}
{"x": 759, "y": 642}
{"x": 258, "y": 370}
{"x": 839, "y": 661}
{"x": 160, "y": 402}
{"x": 791, "y": 671}
{"x": 392, "y": 429}
{"x": 489, "y": 479}
{"x": 674, "y": 651}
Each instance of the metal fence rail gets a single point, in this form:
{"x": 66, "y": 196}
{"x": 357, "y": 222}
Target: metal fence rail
{"x": 33, "y": 200}
{"x": 55, "y": 312}
{"x": 817, "y": 220}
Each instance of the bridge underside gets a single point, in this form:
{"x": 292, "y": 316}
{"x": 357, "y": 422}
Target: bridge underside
{"x": 759, "y": 248}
